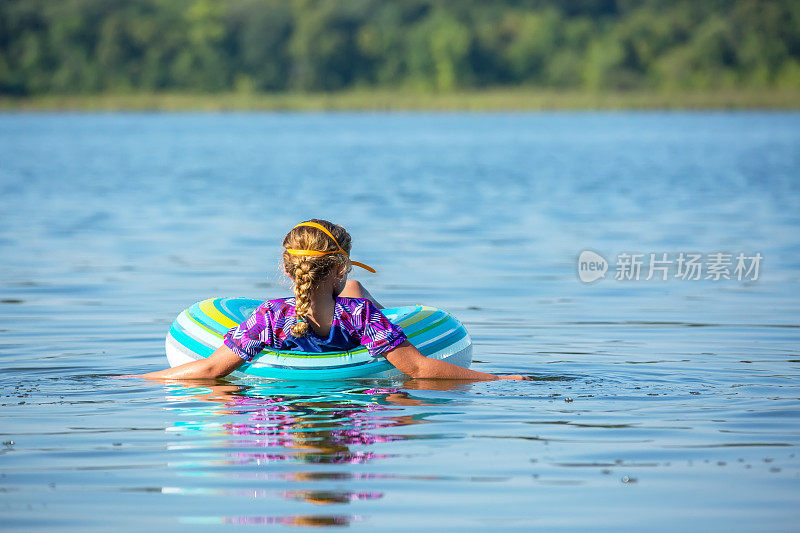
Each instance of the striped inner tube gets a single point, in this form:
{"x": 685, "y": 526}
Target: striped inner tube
{"x": 198, "y": 331}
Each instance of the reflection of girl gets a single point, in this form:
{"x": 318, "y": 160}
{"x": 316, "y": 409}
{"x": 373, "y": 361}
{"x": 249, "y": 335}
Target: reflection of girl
{"x": 317, "y": 430}
{"x": 325, "y": 428}
{"x": 327, "y": 313}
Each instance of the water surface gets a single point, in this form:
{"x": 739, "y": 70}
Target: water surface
{"x": 657, "y": 405}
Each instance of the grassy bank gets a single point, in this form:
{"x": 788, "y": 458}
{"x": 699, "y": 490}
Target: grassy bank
{"x": 487, "y": 100}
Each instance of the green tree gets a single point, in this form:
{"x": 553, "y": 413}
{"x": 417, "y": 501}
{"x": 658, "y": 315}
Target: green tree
{"x": 438, "y": 50}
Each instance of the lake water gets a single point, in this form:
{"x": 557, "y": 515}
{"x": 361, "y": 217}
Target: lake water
{"x": 656, "y": 404}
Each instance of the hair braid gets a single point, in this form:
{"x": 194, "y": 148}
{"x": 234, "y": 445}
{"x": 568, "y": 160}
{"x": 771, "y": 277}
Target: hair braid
{"x": 303, "y": 283}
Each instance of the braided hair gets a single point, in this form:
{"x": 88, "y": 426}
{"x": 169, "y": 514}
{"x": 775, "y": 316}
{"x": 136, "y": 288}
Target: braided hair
{"x": 307, "y": 271}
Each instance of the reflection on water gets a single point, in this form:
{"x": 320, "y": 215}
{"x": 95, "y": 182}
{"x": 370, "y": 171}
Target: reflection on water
{"x": 299, "y": 521}
{"x": 315, "y": 424}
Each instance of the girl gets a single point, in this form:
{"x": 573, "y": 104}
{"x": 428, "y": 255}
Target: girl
{"x": 327, "y": 313}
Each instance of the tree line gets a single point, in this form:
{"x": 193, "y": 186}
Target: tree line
{"x": 122, "y": 46}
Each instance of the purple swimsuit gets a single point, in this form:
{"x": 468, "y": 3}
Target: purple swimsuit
{"x": 356, "y": 322}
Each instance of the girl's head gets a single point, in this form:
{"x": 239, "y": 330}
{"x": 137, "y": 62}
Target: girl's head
{"x": 311, "y": 255}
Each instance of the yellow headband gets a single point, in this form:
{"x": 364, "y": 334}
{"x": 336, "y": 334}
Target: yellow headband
{"x": 294, "y": 251}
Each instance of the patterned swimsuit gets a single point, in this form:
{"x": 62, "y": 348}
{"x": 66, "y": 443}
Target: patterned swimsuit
{"x": 356, "y": 321}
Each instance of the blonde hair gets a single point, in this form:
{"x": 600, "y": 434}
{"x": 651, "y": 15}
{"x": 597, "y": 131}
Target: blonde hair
{"x": 308, "y": 271}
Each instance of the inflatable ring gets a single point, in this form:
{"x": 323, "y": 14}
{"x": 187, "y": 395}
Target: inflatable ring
{"x": 198, "y": 331}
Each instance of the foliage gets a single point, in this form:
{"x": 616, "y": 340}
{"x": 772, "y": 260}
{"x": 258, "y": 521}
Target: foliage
{"x": 128, "y": 46}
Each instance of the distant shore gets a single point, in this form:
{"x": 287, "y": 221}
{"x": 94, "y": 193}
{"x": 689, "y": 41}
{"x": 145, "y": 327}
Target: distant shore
{"x": 516, "y": 99}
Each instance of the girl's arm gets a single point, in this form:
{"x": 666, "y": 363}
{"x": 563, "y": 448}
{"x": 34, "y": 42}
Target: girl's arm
{"x": 411, "y": 362}
{"x": 220, "y": 363}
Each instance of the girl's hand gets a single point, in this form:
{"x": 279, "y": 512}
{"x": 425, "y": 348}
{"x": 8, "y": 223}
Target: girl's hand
{"x": 516, "y": 377}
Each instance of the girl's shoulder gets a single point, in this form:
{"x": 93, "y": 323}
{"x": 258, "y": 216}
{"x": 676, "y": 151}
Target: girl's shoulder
{"x": 277, "y": 307}
{"x": 356, "y": 308}
{"x": 351, "y": 303}
{"x": 280, "y": 302}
